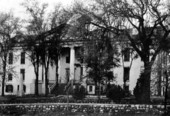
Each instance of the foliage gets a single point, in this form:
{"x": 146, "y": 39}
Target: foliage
{"x": 44, "y": 33}
{"x": 141, "y": 23}
{"x": 79, "y": 92}
{"x": 100, "y": 56}
{"x": 80, "y": 109}
{"x": 115, "y": 93}
{"x": 138, "y": 88}
{"x": 10, "y": 32}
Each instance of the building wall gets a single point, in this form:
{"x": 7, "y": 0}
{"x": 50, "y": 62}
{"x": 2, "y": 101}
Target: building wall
{"x": 15, "y": 68}
{"x": 29, "y": 82}
{"x": 135, "y": 68}
{"x": 63, "y": 66}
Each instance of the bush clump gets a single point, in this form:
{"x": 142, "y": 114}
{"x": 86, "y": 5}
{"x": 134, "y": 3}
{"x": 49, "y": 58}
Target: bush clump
{"x": 79, "y": 92}
{"x": 115, "y": 93}
{"x": 138, "y": 90}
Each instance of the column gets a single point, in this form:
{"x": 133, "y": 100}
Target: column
{"x": 72, "y": 61}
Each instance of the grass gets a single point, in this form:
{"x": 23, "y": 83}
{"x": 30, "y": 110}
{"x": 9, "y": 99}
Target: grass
{"x": 89, "y": 114}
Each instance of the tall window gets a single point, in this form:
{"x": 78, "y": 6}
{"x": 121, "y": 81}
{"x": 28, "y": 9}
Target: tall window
{"x": 67, "y": 75}
{"x": 24, "y": 88}
{"x": 9, "y": 77}
{"x": 9, "y": 88}
{"x": 22, "y": 71}
{"x": 10, "y": 59}
{"x": 90, "y": 88}
{"x": 68, "y": 59}
{"x": 127, "y": 54}
{"x": 22, "y": 57}
{"x": 126, "y": 74}
{"x": 126, "y": 78}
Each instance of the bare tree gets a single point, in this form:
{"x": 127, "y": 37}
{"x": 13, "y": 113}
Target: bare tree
{"x": 144, "y": 23}
{"x": 47, "y": 30}
{"x": 9, "y": 35}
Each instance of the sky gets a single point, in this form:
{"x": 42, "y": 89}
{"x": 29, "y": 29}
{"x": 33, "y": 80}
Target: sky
{"x": 19, "y": 11}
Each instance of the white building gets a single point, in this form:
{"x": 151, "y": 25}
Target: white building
{"x": 22, "y": 73}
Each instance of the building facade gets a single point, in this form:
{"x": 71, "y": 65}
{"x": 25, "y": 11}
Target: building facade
{"x": 20, "y": 78}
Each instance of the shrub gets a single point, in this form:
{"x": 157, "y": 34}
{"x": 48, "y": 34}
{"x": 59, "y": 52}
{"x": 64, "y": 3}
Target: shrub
{"x": 79, "y": 92}
{"x": 115, "y": 93}
{"x": 138, "y": 88}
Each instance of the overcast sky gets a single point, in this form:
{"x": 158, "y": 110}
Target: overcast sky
{"x": 18, "y": 10}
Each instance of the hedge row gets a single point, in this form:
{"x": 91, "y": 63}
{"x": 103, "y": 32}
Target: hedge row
{"x": 95, "y": 108}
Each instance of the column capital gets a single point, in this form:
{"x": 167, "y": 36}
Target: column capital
{"x": 71, "y": 47}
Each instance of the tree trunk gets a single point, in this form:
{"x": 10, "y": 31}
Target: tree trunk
{"x": 166, "y": 92}
{"x": 46, "y": 83}
{"x": 3, "y": 83}
{"x": 145, "y": 96}
{"x": 46, "y": 66}
{"x": 3, "y": 77}
{"x": 36, "y": 68}
{"x": 36, "y": 83}
{"x": 56, "y": 72}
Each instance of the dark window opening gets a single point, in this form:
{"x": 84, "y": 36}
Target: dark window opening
{"x": 10, "y": 59}
{"x": 127, "y": 54}
{"x": 24, "y": 88}
{"x": 22, "y": 71}
{"x": 126, "y": 78}
{"x": 126, "y": 74}
{"x": 81, "y": 71}
{"x": 9, "y": 88}
{"x": 67, "y": 59}
{"x": 67, "y": 75}
{"x": 22, "y": 57}
{"x": 90, "y": 88}
{"x": 9, "y": 77}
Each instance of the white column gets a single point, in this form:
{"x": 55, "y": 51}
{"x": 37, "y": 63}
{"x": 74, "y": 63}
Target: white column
{"x": 72, "y": 61}
{"x": 21, "y": 85}
{"x": 59, "y": 70}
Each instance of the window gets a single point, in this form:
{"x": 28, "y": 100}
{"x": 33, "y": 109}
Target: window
{"x": 24, "y": 88}
{"x": 127, "y": 54}
{"x": 67, "y": 59}
{"x": 9, "y": 77}
{"x": 9, "y": 88}
{"x": 126, "y": 74}
{"x": 22, "y": 71}
{"x": 81, "y": 71}
{"x": 90, "y": 88}
{"x": 126, "y": 78}
{"x": 10, "y": 60}
{"x": 18, "y": 87}
{"x": 22, "y": 57}
{"x": 67, "y": 74}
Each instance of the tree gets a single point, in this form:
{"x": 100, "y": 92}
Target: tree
{"x": 143, "y": 23}
{"x": 97, "y": 52}
{"x": 36, "y": 26}
{"x": 138, "y": 88}
{"x": 46, "y": 36}
{"x": 100, "y": 56}
{"x": 9, "y": 35}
